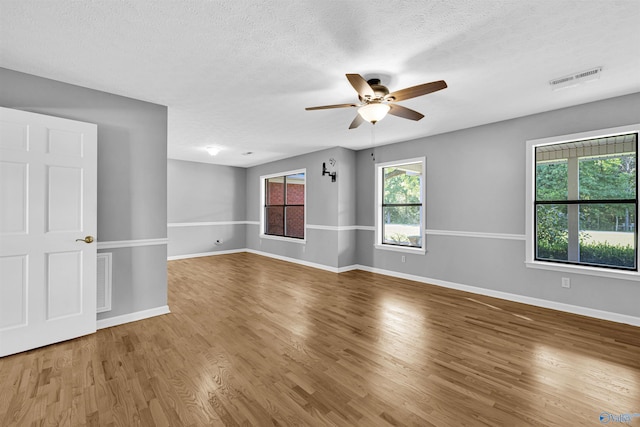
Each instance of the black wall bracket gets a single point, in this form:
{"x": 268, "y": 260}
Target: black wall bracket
{"x": 326, "y": 172}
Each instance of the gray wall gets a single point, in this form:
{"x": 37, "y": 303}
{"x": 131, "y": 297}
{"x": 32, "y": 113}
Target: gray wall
{"x": 200, "y": 193}
{"x": 329, "y": 204}
{"x": 132, "y": 178}
{"x": 476, "y": 183}
{"x": 346, "y": 168}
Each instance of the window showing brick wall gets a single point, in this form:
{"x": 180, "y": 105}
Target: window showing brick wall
{"x": 284, "y": 206}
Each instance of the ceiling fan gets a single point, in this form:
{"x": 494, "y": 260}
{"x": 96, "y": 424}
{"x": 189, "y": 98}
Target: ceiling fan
{"x": 376, "y": 101}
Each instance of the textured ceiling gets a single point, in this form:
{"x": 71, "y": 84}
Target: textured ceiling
{"x": 237, "y": 74}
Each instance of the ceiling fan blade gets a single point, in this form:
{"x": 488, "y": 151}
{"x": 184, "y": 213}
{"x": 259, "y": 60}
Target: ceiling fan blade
{"x": 404, "y": 112}
{"x": 356, "y": 122}
{"x": 326, "y": 107}
{"x": 414, "y": 91}
{"x": 360, "y": 85}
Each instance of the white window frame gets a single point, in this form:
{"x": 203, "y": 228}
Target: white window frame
{"x": 378, "y": 206}
{"x": 530, "y": 260}
{"x": 263, "y": 179}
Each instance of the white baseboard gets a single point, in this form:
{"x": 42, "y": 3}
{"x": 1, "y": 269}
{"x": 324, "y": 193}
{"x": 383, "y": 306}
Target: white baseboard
{"x": 132, "y": 317}
{"x": 270, "y": 255}
{"x": 349, "y": 268}
{"x": 203, "y": 254}
{"x": 538, "y": 302}
{"x": 297, "y": 261}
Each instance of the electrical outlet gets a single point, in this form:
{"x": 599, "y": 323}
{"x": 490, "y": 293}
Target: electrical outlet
{"x": 404, "y": 259}
{"x": 566, "y": 282}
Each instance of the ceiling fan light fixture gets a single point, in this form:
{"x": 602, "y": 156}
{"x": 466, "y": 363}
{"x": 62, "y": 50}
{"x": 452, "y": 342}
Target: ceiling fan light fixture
{"x": 374, "y": 112}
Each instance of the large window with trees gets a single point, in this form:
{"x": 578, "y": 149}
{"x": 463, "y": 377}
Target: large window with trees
{"x": 400, "y": 200}
{"x": 284, "y": 205}
{"x": 585, "y": 202}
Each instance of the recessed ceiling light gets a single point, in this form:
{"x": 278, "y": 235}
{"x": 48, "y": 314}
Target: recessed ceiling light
{"x": 213, "y": 150}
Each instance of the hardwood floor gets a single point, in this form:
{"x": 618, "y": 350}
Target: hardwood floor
{"x": 256, "y": 341}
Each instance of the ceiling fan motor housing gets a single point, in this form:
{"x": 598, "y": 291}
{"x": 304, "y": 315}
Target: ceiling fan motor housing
{"x": 379, "y": 90}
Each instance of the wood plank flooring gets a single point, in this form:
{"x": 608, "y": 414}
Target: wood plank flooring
{"x": 256, "y": 341}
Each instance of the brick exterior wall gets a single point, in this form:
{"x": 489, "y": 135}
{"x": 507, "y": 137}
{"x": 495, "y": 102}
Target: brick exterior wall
{"x": 275, "y": 214}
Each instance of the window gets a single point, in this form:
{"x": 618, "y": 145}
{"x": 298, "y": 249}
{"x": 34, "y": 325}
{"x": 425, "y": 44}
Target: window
{"x": 284, "y": 205}
{"x": 400, "y": 209}
{"x": 585, "y": 202}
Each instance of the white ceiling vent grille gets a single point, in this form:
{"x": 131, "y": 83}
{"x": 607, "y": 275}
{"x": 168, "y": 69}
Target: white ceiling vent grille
{"x": 575, "y": 79}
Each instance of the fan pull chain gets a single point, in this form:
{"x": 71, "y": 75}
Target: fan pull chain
{"x": 373, "y": 142}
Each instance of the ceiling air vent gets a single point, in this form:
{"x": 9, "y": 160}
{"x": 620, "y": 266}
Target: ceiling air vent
{"x": 576, "y": 79}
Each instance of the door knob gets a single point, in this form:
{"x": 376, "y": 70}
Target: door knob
{"x": 88, "y": 239}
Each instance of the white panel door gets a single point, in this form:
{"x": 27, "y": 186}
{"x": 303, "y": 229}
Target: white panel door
{"x": 48, "y": 205}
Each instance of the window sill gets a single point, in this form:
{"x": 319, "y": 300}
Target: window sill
{"x": 283, "y": 239}
{"x": 400, "y": 249}
{"x": 578, "y": 269}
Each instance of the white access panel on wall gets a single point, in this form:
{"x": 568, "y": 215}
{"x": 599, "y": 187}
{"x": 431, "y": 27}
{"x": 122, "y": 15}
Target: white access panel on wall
{"x": 104, "y": 282}
{"x": 48, "y": 209}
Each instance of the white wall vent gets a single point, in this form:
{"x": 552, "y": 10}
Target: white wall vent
{"x": 104, "y": 282}
{"x": 576, "y": 78}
